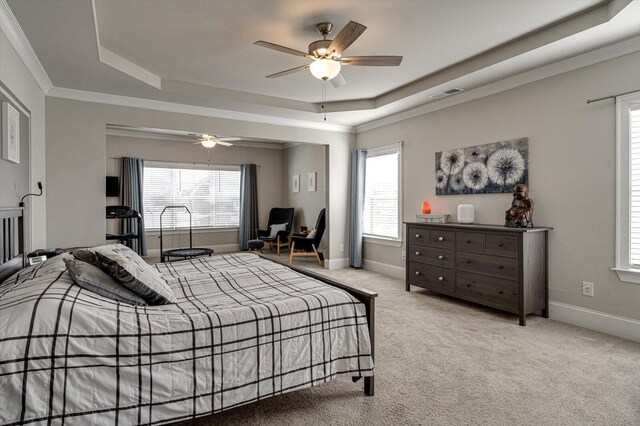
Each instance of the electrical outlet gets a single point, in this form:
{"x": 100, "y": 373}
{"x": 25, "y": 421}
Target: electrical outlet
{"x": 587, "y": 289}
{"x": 403, "y": 255}
{"x": 341, "y": 248}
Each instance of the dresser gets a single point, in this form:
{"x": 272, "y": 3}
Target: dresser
{"x": 504, "y": 268}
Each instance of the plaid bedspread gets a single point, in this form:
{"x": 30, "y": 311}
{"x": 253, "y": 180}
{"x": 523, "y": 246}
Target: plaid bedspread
{"x": 244, "y": 329}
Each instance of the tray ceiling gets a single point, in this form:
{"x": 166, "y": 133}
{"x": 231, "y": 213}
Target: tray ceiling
{"x": 201, "y": 53}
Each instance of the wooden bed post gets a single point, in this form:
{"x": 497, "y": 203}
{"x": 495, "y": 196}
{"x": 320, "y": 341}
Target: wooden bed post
{"x": 369, "y": 383}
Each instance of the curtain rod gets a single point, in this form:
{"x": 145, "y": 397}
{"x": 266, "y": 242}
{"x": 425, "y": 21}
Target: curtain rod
{"x": 186, "y": 162}
{"x": 612, "y": 96}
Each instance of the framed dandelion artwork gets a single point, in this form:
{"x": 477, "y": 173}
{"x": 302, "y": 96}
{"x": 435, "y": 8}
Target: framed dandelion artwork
{"x": 483, "y": 169}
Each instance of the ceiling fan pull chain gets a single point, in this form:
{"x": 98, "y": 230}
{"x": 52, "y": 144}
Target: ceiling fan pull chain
{"x": 324, "y": 98}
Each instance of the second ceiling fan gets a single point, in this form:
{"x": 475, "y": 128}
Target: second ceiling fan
{"x": 209, "y": 141}
{"x": 327, "y": 55}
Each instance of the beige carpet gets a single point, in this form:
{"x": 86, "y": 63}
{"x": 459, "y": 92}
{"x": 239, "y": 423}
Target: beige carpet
{"x": 440, "y": 361}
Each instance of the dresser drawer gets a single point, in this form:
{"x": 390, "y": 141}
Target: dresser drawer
{"x": 490, "y": 265}
{"x": 470, "y": 241}
{"x": 502, "y": 245}
{"x": 492, "y": 291}
{"x": 418, "y": 235}
{"x": 433, "y": 278}
{"x": 432, "y": 256}
{"x": 442, "y": 239}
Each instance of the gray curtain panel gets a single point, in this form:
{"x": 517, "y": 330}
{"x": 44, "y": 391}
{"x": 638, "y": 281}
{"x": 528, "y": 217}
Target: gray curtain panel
{"x": 132, "y": 183}
{"x": 358, "y": 159}
{"x": 248, "y": 204}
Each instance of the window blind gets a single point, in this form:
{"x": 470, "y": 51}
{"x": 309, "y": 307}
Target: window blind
{"x": 212, "y": 196}
{"x": 381, "y": 190}
{"x": 634, "y": 220}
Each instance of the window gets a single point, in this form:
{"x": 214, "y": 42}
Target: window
{"x": 628, "y": 188}
{"x": 212, "y": 195}
{"x": 382, "y": 188}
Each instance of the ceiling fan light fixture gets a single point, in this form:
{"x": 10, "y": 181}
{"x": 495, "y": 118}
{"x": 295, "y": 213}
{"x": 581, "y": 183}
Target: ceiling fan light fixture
{"x": 325, "y": 69}
{"x": 208, "y": 143}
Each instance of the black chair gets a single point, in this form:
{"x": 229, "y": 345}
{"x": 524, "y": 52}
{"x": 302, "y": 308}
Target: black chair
{"x": 305, "y": 246}
{"x": 277, "y": 216}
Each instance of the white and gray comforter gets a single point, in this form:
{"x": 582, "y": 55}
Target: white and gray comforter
{"x": 244, "y": 329}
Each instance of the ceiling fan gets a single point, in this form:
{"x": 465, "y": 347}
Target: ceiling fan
{"x": 209, "y": 141}
{"x": 327, "y": 55}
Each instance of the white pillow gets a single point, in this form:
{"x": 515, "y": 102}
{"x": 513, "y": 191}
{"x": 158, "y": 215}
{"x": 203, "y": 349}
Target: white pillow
{"x": 312, "y": 233}
{"x": 277, "y": 228}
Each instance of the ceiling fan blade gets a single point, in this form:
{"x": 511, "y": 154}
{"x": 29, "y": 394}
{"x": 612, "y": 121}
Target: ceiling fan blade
{"x": 229, "y": 139}
{"x": 282, "y": 49}
{"x": 338, "y": 81}
{"x": 346, "y": 37}
{"x": 225, "y": 143}
{"x": 379, "y": 61}
{"x": 287, "y": 72}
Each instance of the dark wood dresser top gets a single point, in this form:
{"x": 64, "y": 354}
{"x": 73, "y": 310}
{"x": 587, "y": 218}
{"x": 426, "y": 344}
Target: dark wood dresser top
{"x": 481, "y": 227}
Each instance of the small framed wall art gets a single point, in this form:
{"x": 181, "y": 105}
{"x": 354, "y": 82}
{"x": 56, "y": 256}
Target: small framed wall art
{"x": 295, "y": 183}
{"x": 10, "y": 133}
{"x": 312, "y": 182}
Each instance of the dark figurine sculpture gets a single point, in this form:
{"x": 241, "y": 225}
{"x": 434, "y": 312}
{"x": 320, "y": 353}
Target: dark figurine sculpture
{"x": 520, "y": 215}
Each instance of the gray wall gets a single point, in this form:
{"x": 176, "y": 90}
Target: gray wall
{"x": 14, "y": 177}
{"x": 572, "y": 172}
{"x": 17, "y": 85}
{"x": 302, "y": 159}
{"x": 76, "y": 162}
{"x": 270, "y": 175}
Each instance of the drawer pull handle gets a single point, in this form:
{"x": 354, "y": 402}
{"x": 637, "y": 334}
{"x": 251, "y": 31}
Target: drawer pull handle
{"x": 469, "y": 285}
{"x": 501, "y": 292}
{"x": 417, "y": 235}
{"x": 440, "y": 238}
{"x": 468, "y": 241}
{"x": 501, "y": 245}
{"x": 417, "y": 272}
{"x": 441, "y": 257}
{"x": 468, "y": 261}
{"x": 441, "y": 278}
{"x": 417, "y": 253}
{"x": 501, "y": 267}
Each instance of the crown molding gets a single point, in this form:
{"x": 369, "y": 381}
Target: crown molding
{"x": 11, "y": 28}
{"x": 104, "y": 98}
{"x": 602, "y": 54}
{"x": 121, "y": 64}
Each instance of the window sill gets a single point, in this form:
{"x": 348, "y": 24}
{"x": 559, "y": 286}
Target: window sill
{"x": 195, "y": 231}
{"x": 628, "y": 275}
{"x": 383, "y": 241}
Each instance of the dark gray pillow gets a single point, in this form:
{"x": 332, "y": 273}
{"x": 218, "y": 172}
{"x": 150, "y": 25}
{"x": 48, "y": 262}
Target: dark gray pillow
{"x": 93, "y": 279}
{"x": 126, "y": 267}
{"x": 86, "y": 255}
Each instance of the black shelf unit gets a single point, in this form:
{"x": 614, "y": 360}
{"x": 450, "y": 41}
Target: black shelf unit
{"x": 124, "y": 213}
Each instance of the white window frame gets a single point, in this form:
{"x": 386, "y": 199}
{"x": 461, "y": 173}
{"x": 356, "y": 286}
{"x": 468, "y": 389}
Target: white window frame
{"x": 377, "y": 239}
{"x": 196, "y": 166}
{"x": 624, "y": 104}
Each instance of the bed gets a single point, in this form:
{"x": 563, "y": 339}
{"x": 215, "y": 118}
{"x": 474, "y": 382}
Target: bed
{"x": 244, "y": 328}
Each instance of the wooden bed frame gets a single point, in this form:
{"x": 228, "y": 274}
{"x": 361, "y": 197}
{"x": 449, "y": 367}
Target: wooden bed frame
{"x": 13, "y": 258}
{"x": 367, "y": 297}
{"x": 12, "y": 241}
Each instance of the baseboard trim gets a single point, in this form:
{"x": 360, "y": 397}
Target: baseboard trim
{"x": 340, "y": 263}
{"x": 221, "y": 248}
{"x": 615, "y": 325}
{"x": 392, "y": 271}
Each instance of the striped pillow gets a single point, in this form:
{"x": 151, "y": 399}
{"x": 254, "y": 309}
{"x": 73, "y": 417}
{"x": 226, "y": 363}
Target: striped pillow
{"x": 126, "y": 267}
